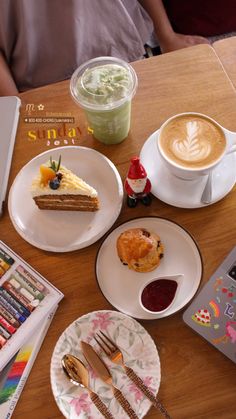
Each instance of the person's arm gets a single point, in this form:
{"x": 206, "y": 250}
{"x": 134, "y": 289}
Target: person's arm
{"x": 7, "y": 84}
{"x": 168, "y": 39}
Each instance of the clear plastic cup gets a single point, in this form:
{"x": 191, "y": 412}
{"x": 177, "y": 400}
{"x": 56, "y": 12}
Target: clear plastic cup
{"x": 104, "y": 88}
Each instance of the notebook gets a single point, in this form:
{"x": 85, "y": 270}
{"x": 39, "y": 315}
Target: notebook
{"x": 9, "y": 116}
{"x": 212, "y": 313}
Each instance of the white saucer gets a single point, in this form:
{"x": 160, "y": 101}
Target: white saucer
{"x": 120, "y": 285}
{"x": 64, "y": 231}
{"x": 181, "y": 193}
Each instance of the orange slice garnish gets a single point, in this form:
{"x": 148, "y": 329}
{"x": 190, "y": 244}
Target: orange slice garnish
{"x": 47, "y": 174}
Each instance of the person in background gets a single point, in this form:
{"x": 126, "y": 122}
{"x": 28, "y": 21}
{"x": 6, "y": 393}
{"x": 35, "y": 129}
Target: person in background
{"x": 44, "y": 41}
{"x": 183, "y": 23}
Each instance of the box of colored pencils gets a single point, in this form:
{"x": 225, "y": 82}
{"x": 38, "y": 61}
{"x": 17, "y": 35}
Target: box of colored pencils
{"x": 26, "y": 299}
{"x": 13, "y": 377}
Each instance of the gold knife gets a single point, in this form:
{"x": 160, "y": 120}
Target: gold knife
{"x": 102, "y": 371}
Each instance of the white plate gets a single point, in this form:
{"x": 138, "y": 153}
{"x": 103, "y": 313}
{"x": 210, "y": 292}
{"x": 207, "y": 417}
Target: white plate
{"x": 120, "y": 285}
{"x": 180, "y": 193}
{"x": 139, "y": 352}
{"x": 64, "y": 231}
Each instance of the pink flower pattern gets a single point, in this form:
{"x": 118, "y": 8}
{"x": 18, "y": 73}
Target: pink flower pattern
{"x": 102, "y": 321}
{"x": 81, "y": 404}
{"x": 138, "y": 395}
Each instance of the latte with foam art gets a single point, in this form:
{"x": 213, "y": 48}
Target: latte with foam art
{"x": 192, "y": 141}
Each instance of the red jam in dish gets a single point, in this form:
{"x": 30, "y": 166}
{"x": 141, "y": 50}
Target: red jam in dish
{"x": 159, "y": 294}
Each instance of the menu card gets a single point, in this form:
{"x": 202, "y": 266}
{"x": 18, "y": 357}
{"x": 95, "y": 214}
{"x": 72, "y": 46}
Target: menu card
{"x": 26, "y": 299}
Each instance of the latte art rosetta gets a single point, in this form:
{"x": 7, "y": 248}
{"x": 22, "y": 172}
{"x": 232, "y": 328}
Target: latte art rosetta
{"x": 192, "y": 141}
{"x": 192, "y": 147}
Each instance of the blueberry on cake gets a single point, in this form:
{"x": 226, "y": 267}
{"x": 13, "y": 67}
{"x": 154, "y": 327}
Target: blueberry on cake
{"x": 57, "y": 188}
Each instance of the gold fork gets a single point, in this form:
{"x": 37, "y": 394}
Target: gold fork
{"x": 116, "y": 356}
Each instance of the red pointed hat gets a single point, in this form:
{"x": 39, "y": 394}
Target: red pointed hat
{"x": 136, "y": 170}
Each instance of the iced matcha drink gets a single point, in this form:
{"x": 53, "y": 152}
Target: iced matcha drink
{"x": 104, "y": 87}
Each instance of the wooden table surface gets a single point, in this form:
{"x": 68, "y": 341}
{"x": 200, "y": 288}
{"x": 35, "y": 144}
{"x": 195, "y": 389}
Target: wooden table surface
{"x": 197, "y": 380}
{"x": 226, "y": 51}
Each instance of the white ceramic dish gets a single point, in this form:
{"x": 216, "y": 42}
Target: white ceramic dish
{"x": 121, "y": 286}
{"x": 139, "y": 351}
{"x": 183, "y": 193}
{"x": 176, "y": 278}
{"x": 64, "y": 231}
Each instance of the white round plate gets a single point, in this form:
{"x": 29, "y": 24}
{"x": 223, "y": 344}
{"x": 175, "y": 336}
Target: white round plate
{"x": 121, "y": 285}
{"x": 139, "y": 352}
{"x": 64, "y": 231}
{"x": 182, "y": 193}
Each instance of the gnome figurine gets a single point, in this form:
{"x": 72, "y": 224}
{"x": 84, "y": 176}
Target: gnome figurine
{"x": 137, "y": 185}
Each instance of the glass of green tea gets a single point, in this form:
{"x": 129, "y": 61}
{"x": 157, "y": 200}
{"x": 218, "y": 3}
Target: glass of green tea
{"x": 104, "y": 88}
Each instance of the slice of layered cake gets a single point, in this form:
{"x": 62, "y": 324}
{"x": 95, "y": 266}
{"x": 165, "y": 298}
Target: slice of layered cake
{"x": 57, "y": 188}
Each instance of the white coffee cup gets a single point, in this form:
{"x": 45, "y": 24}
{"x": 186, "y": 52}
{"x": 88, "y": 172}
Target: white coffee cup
{"x": 192, "y": 144}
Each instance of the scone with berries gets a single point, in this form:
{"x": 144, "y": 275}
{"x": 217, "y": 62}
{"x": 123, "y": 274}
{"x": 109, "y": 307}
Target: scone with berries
{"x": 57, "y": 188}
{"x": 140, "y": 249}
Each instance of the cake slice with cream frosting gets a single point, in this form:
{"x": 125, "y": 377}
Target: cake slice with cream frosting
{"x": 58, "y": 188}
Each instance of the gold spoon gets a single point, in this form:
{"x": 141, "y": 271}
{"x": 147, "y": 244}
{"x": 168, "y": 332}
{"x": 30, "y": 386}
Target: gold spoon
{"x": 78, "y": 374}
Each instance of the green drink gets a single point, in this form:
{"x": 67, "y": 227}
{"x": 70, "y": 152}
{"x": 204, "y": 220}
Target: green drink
{"x": 104, "y": 87}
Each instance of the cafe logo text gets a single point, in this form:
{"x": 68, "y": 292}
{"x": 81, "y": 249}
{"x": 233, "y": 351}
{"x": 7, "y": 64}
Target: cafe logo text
{"x": 60, "y": 134}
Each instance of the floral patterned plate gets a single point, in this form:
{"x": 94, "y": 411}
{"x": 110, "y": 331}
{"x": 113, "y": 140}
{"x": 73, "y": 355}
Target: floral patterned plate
{"x": 139, "y": 352}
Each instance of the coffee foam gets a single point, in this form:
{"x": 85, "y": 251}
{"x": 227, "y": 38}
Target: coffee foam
{"x": 192, "y": 141}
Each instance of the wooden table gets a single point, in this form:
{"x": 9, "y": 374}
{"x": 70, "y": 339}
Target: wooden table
{"x": 197, "y": 380}
{"x": 226, "y": 51}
